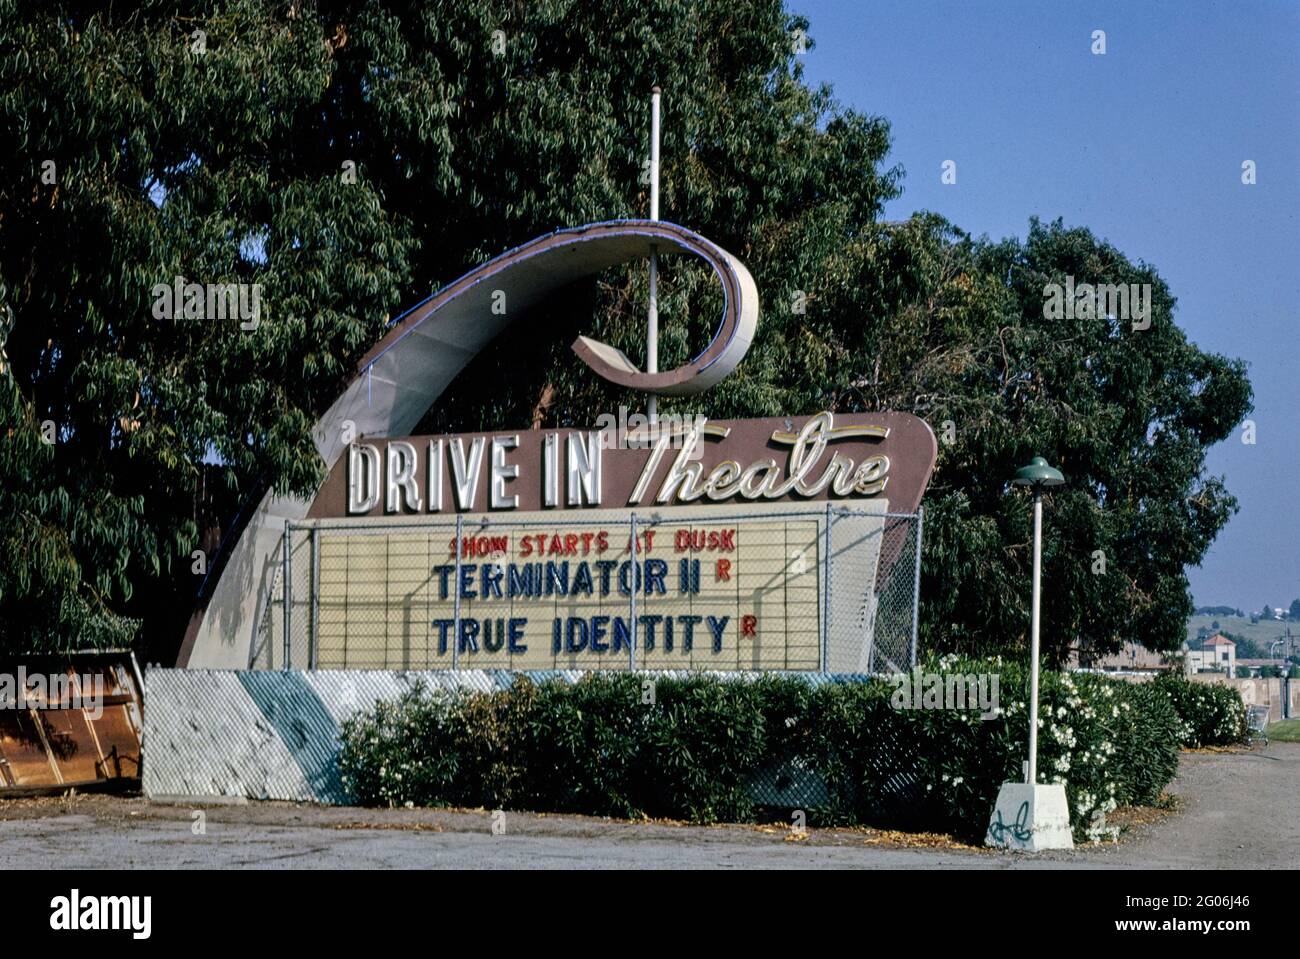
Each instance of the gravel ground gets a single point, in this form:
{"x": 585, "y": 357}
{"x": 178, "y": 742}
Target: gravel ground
{"x": 1234, "y": 810}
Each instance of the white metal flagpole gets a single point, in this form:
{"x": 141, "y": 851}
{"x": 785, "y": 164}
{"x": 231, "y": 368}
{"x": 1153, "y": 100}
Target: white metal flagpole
{"x": 652, "y": 321}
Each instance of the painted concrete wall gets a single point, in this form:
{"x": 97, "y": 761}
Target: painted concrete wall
{"x": 263, "y": 734}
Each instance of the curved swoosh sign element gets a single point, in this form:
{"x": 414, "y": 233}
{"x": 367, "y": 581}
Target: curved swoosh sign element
{"x": 404, "y": 374}
{"x": 518, "y": 279}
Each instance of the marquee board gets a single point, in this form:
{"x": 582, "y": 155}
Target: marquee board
{"x": 542, "y": 595}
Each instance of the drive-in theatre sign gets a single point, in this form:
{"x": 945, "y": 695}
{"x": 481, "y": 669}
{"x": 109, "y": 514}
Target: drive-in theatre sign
{"x": 547, "y": 557}
{"x": 686, "y": 543}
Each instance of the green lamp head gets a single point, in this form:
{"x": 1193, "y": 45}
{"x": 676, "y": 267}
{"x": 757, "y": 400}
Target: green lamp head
{"x": 1038, "y": 474}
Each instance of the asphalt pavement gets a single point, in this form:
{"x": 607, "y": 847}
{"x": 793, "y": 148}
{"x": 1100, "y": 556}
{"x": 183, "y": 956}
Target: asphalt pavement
{"x": 1236, "y": 809}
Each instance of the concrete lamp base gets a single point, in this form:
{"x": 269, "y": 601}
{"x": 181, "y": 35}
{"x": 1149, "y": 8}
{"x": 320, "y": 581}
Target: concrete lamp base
{"x": 1030, "y": 818}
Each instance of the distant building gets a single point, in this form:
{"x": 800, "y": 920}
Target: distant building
{"x": 1216, "y": 654}
{"x": 1255, "y": 665}
{"x": 1132, "y": 658}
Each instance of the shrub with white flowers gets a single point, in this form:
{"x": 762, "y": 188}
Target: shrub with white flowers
{"x": 1210, "y": 714}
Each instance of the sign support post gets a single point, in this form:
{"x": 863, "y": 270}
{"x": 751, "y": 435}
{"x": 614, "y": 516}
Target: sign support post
{"x": 288, "y": 595}
{"x": 652, "y": 321}
{"x": 636, "y": 570}
{"x": 313, "y": 650}
{"x": 826, "y": 591}
{"x": 916, "y": 582}
{"x": 455, "y": 622}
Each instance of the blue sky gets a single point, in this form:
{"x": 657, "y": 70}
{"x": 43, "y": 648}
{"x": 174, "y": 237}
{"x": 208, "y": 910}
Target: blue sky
{"x": 1144, "y": 146}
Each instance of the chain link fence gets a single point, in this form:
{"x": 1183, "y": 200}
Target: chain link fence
{"x": 820, "y": 588}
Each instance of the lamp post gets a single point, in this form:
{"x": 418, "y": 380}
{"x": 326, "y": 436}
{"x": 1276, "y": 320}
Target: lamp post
{"x": 1038, "y": 476}
{"x": 1029, "y": 816}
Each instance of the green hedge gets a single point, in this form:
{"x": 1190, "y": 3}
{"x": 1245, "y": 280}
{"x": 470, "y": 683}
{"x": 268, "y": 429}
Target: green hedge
{"x": 1210, "y": 714}
{"x": 700, "y": 749}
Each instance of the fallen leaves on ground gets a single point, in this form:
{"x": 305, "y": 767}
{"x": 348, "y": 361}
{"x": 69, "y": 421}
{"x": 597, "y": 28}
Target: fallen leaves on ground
{"x": 917, "y": 840}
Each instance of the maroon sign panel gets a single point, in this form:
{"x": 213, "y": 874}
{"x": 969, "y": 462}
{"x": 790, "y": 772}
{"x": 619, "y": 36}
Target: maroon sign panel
{"x": 630, "y": 464}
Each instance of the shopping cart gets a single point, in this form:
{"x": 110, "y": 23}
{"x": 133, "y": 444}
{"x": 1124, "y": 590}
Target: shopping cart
{"x": 1257, "y": 722}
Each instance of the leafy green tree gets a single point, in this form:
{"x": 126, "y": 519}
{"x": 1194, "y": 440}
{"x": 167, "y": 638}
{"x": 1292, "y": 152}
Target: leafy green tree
{"x": 350, "y": 160}
{"x": 47, "y": 540}
{"x": 141, "y": 151}
{"x": 1126, "y": 414}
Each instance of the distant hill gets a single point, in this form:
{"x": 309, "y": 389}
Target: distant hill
{"x": 1261, "y": 634}
{"x": 1219, "y": 611}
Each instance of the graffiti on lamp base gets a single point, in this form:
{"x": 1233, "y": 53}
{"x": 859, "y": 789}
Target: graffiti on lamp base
{"x": 1019, "y": 829}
